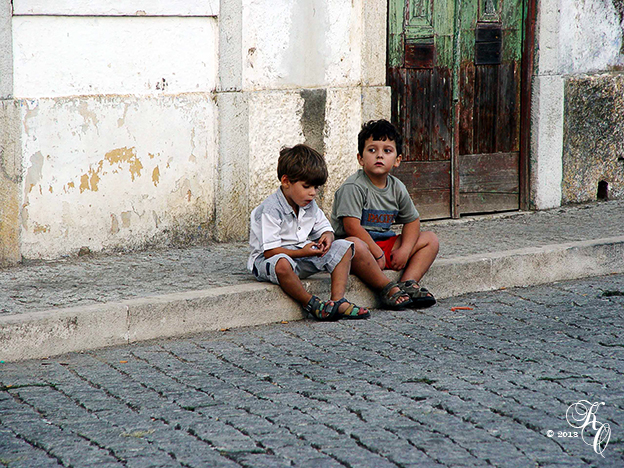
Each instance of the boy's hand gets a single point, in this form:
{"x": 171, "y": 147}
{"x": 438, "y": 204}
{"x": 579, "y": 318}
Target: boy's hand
{"x": 312, "y": 249}
{"x": 325, "y": 242}
{"x": 399, "y": 258}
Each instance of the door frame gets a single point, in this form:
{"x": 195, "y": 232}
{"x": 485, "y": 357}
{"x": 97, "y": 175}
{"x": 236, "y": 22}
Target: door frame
{"x": 526, "y": 80}
{"x": 526, "y": 74}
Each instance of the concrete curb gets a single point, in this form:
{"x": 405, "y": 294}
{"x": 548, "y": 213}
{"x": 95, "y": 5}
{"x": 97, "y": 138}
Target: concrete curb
{"x": 59, "y": 331}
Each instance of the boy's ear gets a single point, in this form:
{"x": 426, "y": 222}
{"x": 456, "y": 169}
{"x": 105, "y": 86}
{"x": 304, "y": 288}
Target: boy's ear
{"x": 359, "y": 158}
{"x": 399, "y": 158}
{"x": 284, "y": 180}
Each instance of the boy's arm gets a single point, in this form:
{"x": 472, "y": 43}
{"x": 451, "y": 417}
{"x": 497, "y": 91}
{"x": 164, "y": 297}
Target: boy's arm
{"x": 271, "y": 240}
{"x": 353, "y": 227}
{"x": 310, "y": 250}
{"x": 409, "y": 236}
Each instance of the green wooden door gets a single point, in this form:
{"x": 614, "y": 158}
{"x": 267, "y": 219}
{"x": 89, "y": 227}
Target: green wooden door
{"x": 454, "y": 69}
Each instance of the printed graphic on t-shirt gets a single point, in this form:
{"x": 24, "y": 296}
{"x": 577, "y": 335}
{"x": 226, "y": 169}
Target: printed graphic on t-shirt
{"x": 379, "y": 220}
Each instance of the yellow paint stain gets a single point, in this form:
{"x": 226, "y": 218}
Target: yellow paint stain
{"x": 125, "y": 155}
{"x": 188, "y": 195}
{"x": 91, "y": 179}
{"x": 151, "y": 156}
{"x": 50, "y": 189}
{"x": 94, "y": 180}
{"x": 40, "y": 229}
{"x": 156, "y": 176}
{"x": 84, "y": 182}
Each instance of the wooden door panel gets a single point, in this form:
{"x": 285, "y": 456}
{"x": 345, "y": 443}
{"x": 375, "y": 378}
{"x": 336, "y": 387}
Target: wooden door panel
{"x": 441, "y": 114}
{"x": 465, "y": 67}
{"x": 429, "y": 185}
{"x": 475, "y": 173}
{"x": 417, "y": 104}
{"x": 486, "y": 103}
{"x": 466, "y": 107}
{"x": 475, "y": 203}
{"x": 507, "y": 113}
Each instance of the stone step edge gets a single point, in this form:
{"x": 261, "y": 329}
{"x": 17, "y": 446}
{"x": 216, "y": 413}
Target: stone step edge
{"x": 59, "y": 331}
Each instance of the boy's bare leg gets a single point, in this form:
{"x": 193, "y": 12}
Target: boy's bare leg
{"x": 290, "y": 282}
{"x": 422, "y": 256}
{"x": 365, "y": 267}
{"x": 339, "y": 278}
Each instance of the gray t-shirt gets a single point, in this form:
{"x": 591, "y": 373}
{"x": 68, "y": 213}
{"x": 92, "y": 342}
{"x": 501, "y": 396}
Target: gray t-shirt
{"x": 377, "y": 209}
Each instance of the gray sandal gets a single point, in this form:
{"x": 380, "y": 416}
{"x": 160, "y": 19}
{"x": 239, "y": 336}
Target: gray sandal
{"x": 421, "y": 297}
{"x": 389, "y": 301}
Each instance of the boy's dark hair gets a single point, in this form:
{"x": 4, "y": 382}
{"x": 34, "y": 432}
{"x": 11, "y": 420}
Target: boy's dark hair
{"x": 379, "y": 130}
{"x": 302, "y": 163}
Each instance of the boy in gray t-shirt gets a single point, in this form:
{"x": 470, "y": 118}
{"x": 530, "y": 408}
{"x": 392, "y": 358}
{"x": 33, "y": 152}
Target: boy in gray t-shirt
{"x": 370, "y": 201}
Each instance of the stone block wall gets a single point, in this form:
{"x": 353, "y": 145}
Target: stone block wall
{"x": 593, "y": 143}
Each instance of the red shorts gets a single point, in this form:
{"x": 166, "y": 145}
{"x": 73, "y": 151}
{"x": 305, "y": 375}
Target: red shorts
{"x": 386, "y": 245}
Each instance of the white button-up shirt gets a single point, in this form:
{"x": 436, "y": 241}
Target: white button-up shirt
{"x": 274, "y": 224}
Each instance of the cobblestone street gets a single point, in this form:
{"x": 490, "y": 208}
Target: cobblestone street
{"x": 447, "y": 387}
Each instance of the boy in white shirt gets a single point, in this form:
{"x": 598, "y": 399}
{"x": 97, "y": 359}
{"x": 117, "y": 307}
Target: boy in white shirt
{"x": 291, "y": 238}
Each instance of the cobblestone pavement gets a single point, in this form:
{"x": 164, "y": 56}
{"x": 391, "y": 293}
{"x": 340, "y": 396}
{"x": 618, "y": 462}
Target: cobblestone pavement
{"x": 443, "y": 388}
{"x": 39, "y": 285}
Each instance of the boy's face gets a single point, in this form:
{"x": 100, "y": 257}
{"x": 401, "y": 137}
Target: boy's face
{"x": 379, "y": 157}
{"x": 300, "y": 193}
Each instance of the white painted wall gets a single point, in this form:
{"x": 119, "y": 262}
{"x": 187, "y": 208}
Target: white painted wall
{"x": 591, "y": 36}
{"x": 141, "y": 118}
{"x": 67, "y": 56}
{"x": 119, "y": 121}
{"x": 301, "y": 43}
{"x": 547, "y": 110}
{"x": 117, "y": 7}
{"x": 106, "y": 171}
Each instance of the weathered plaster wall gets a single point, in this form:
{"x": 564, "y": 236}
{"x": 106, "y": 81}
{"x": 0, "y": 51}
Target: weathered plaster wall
{"x": 116, "y": 171}
{"x": 301, "y": 43}
{"x": 6, "y": 50}
{"x": 117, "y": 7}
{"x": 591, "y": 35}
{"x": 141, "y": 120}
{"x": 10, "y": 177}
{"x": 10, "y": 162}
{"x": 294, "y": 71}
{"x": 118, "y": 123}
{"x": 594, "y": 137}
{"x": 547, "y": 110}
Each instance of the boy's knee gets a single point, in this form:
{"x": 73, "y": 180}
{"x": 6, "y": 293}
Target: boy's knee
{"x": 431, "y": 240}
{"x": 283, "y": 267}
{"x": 359, "y": 246}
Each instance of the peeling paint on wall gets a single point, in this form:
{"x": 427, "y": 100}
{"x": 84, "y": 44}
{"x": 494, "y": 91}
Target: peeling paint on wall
{"x": 92, "y": 183}
{"x": 33, "y": 175}
{"x": 156, "y": 176}
{"x": 128, "y": 155}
